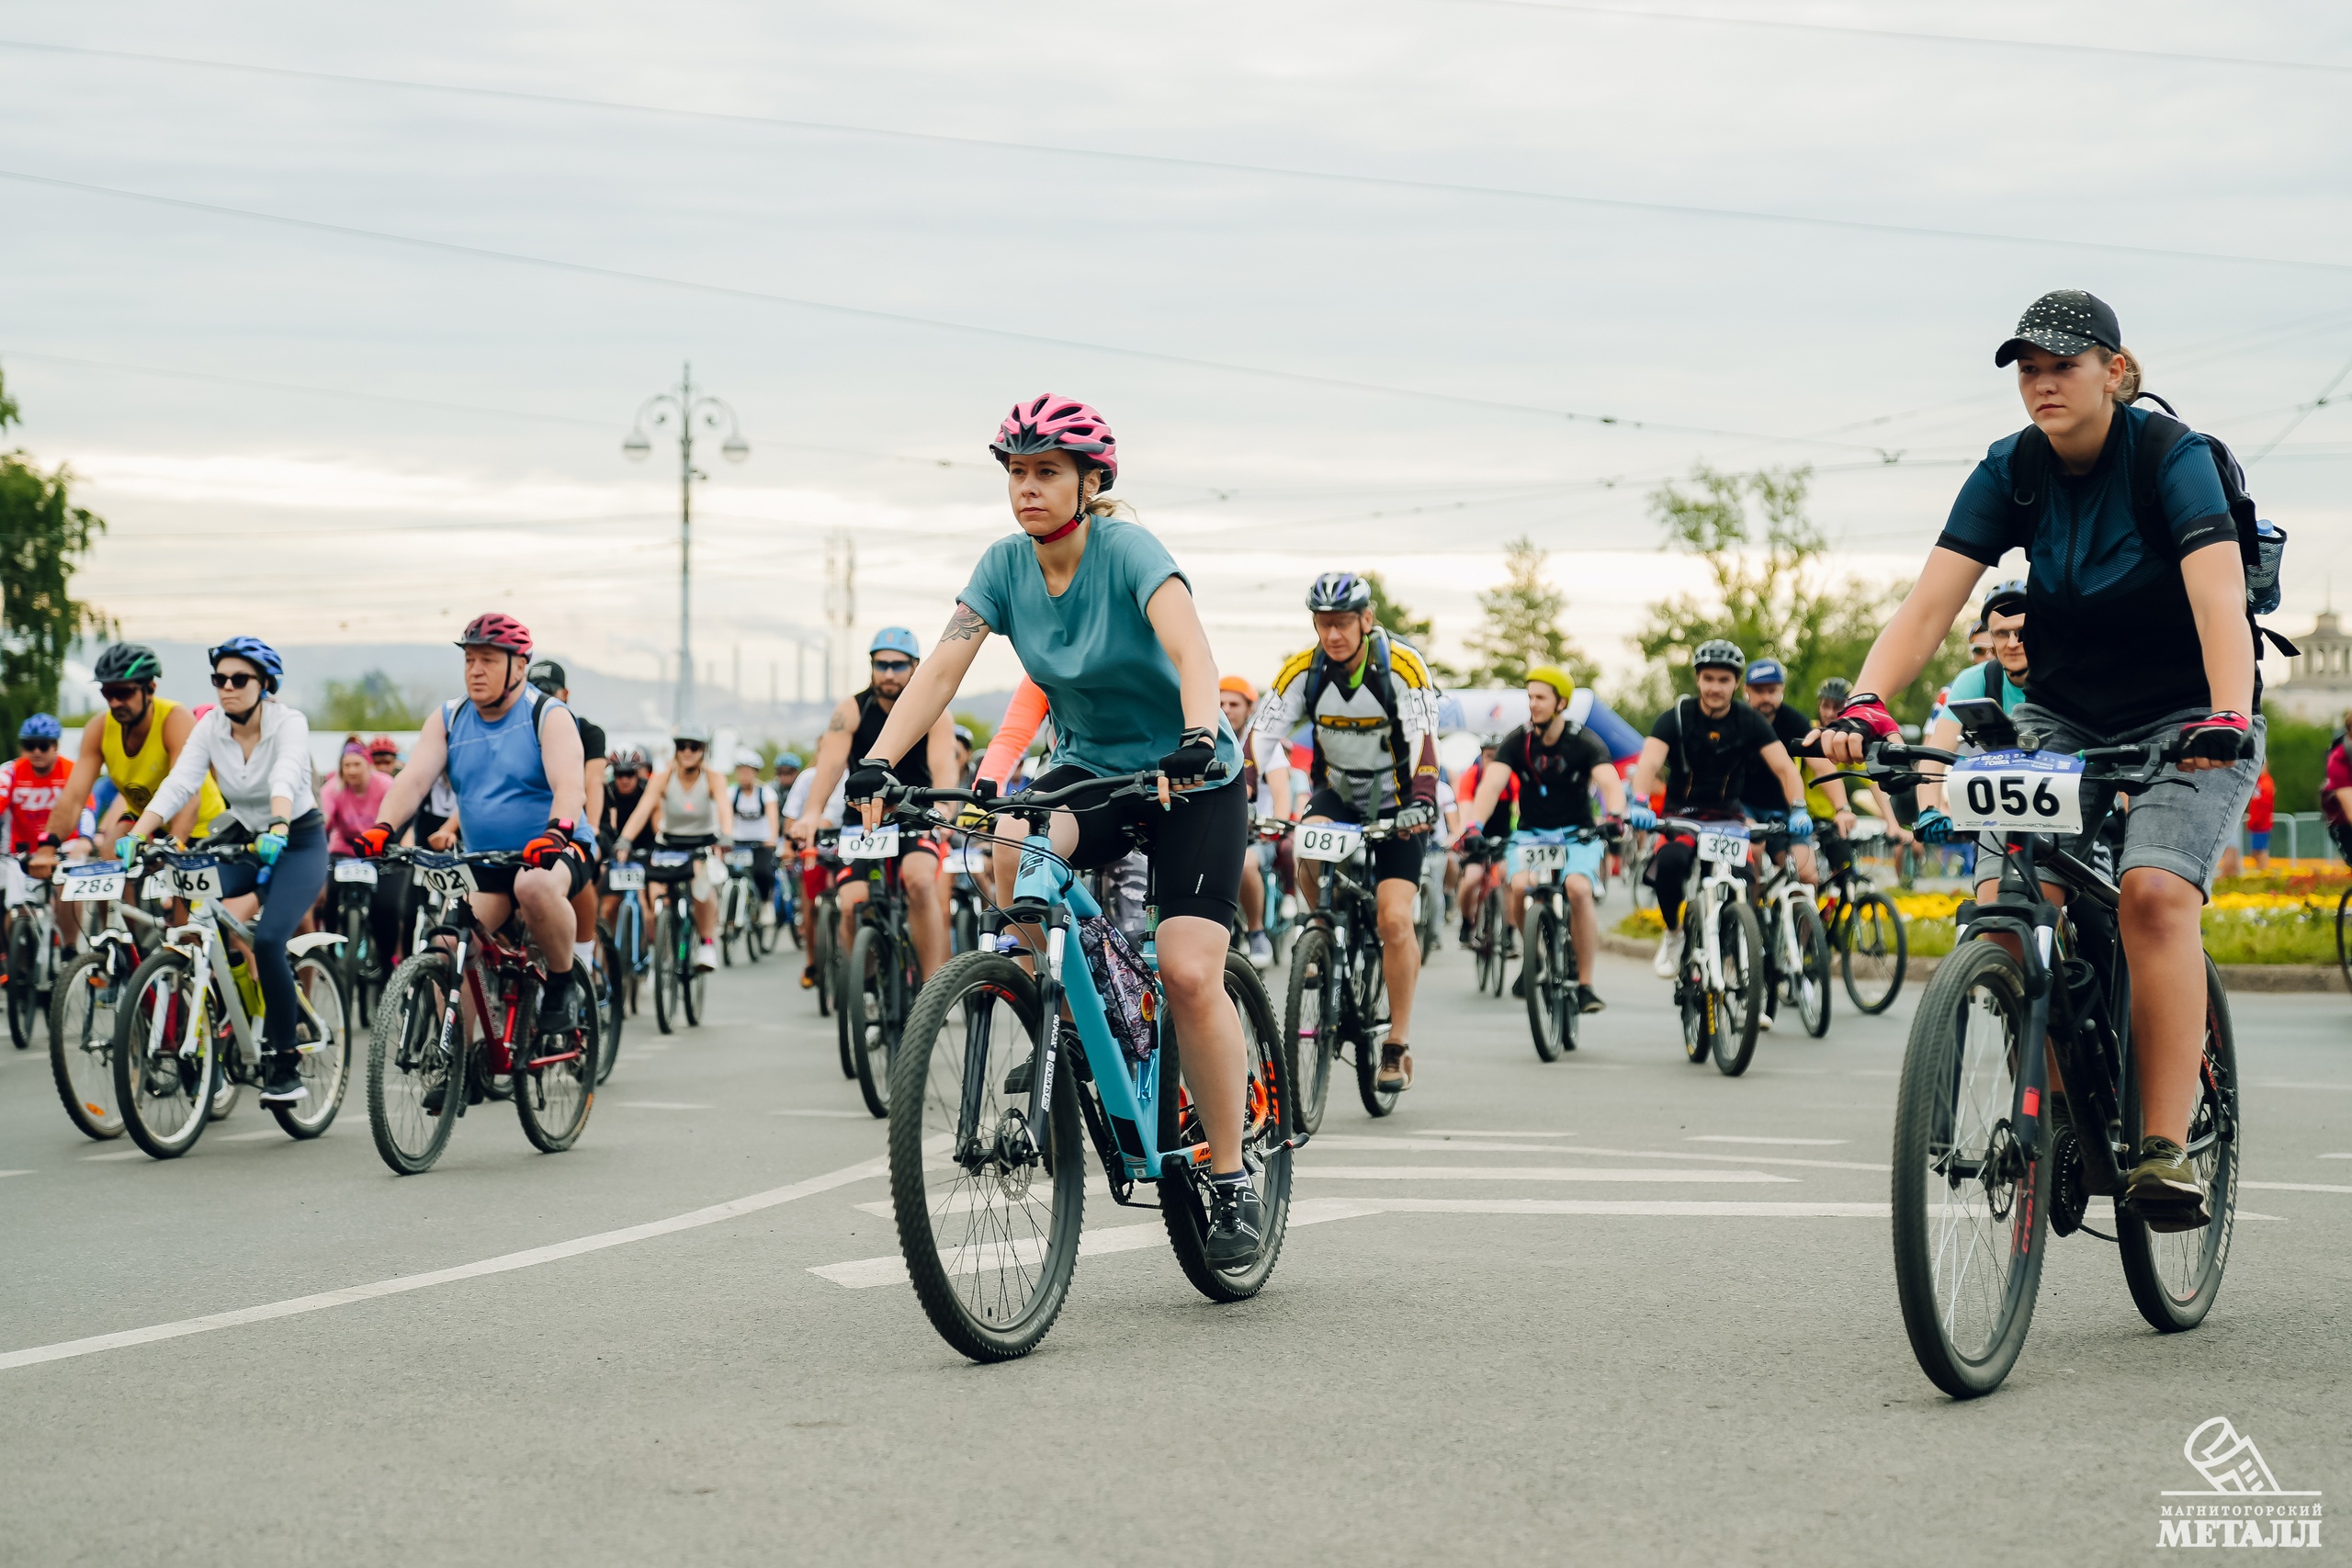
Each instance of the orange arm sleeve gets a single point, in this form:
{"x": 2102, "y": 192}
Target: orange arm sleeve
{"x": 1023, "y": 718}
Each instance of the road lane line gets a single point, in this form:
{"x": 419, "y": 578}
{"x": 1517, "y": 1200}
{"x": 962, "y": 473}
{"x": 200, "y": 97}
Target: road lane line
{"x": 119, "y": 1154}
{"x": 845, "y": 1115}
{"x": 2293, "y": 1187}
{"x": 1476, "y": 1133}
{"x": 1366, "y": 1141}
{"x": 1731, "y": 1138}
{"x": 655, "y": 1105}
{"x": 15, "y": 1173}
{"x": 2296, "y": 1083}
{"x": 1528, "y": 1173}
{"x": 502, "y": 1263}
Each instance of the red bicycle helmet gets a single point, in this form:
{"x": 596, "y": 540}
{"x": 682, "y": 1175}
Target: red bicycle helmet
{"x": 1049, "y": 423}
{"x": 499, "y": 631}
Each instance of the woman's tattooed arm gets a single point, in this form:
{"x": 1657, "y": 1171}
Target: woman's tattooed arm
{"x": 963, "y": 626}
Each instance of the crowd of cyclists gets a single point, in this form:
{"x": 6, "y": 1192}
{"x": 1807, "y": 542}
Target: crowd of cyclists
{"x": 2132, "y": 622}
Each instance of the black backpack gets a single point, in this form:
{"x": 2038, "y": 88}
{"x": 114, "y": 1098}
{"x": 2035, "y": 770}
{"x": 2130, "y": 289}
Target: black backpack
{"x": 2260, "y": 553}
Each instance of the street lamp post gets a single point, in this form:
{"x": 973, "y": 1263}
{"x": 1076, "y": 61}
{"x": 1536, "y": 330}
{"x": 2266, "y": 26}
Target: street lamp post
{"x": 681, "y": 410}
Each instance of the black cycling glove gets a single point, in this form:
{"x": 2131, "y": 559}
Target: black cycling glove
{"x": 867, "y": 780}
{"x": 1189, "y": 762}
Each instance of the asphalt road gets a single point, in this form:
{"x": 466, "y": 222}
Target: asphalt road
{"x": 1523, "y": 1343}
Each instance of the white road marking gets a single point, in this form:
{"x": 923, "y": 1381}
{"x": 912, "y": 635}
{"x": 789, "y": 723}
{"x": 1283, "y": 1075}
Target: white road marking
{"x": 2290, "y": 1083}
{"x": 2336, "y": 1156}
{"x": 1362, "y": 1141}
{"x": 504, "y": 1263}
{"x": 278, "y": 1133}
{"x": 845, "y": 1115}
{"x": 1478, "y": 1133}
{"x": 2293, "y": 1186}
{"x": 117, "y": 1153}
{"x": 1731, "y": 1138}
{"x": 15, "y": 1173}
{"x": 655, "y": 1105}
{"x": 1529, "y": 1173}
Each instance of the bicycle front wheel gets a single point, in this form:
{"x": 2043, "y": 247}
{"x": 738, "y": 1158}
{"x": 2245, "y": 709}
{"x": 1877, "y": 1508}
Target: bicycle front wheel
{"x": 1311, "y": 1022}
{"x": 81, "y": 1043}
{"x": 1873, "y": 951}
{"x": 1369, "y": 1026}
{"x": 1549, "y": 1006}
{"x": 989, "y": 1230}
{"x": 1745, "y": 980}
{"x": 862, "y": 1021}
{"x": 326, "y": 1062}
{"x": 164, "y": 1069}
{"x": 1266, "y": 1153}
{"x": 1811, "y": 982}
{"x": 2176, "y": 1275}
{"x": 417, "y": 1076}
{"x": 1971, "y": 1214}
{"x": 667, "y": 1006}
{"x": 612, "y": 1003}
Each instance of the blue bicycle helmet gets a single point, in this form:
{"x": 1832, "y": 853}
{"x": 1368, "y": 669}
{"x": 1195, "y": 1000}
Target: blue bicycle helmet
{"x": 254, "y": 651}
{"x": 895, "y": 640}
{"x": 42, "y": 726}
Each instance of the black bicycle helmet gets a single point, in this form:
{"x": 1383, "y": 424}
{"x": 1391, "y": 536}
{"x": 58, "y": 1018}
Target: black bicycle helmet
{"x": 1836, "y": 689}
{"x": 1719, "y": 653}
{"x": 129, "y": 662}
{"x": 2006, "y": 599}
{"x": 1339, "y": 590}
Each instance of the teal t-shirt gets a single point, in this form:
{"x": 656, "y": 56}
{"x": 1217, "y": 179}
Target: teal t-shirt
{"x": 1116, "y": 705}
{"x": 1968, "y": 686}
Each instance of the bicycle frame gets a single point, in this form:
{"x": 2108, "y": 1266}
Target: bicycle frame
{"x": 200, "y": 941}
{"x": 475, "y": 953}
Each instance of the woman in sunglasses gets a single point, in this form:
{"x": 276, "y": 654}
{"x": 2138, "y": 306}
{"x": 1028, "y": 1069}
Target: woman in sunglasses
{"x": 694, "y": 816}
{"x": 259, "y": 750}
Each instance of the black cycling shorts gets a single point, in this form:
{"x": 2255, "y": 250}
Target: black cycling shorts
{"x": 1397, "y": 860}
{"x": 501, "y": 878}
{"x": 1194, "y": 846}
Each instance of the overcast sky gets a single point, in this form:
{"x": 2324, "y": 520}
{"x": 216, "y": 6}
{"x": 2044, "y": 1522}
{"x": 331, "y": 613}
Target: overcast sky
{"x": 320, "y": 434}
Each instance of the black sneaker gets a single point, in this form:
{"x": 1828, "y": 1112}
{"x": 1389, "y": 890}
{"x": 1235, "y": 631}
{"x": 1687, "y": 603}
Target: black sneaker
{"x": 1519, "y": 984}
{"x": 283, "y": 1085}
{"x": 1236, "y": 1222}
{"x": 1589, "y": 1001}
{"x": 560, "y": 1017}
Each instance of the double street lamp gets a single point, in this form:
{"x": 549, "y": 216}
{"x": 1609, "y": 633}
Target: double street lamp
{"x": 681, "y": 411}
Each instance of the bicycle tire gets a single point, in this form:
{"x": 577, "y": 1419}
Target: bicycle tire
{"x": 139, "y": 1077}
{"x": 1499, "y": 981}
{"x": 326, "y": 1072}
{"x": 1742, "y": 941}
{"x": 864, "y": 1024}
{"x": 1482, "y": 945}
{"x": 354, "y": 960}
{"x": 828, "y": 938}
{"x": 1315, "y": 1040}
{"x": 406, "y": 1062}
{"x": 1812, "y": 984}
{"x": 1368, "y": 1025}
{"x": 696, "y": 985}
{"x": 553, "y": 1102}
{"x": 666, "y": 1003}
{"x": 1863, "y": 928}
{"x": 614, "y": 1003}
{"x": 959, "y": 1010}
{"x": 1547, "y": 1011}
{"x": 2157, "y": 1265}
{"x": 1944, "y": 1099}
{"x": 2343, "y": 937}
{"x": 1702, "y": 1014}
{"x": 81, "y": 1046}
{"x": 22, "y": 960}
{"x": 1267, "y": 1136}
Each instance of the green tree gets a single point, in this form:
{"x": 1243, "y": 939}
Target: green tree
{"x": 43, "y": 537}
{"x": 1519, "y": 625}
{"x": 1396, "y": 617}
{"x": 2296, "y": 754}
{"x": 372, "y": 701}
{"x": 1772, "y": 592}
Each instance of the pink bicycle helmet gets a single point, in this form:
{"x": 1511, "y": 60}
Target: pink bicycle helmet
{"x": 1049, "y": 423}
{"x": 500, "y": 631}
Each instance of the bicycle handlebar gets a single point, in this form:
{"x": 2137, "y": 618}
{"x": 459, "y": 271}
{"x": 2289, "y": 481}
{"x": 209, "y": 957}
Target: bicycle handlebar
{"x": 1112, "y": 786}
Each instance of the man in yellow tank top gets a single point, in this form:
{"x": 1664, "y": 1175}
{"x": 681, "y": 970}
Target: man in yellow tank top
{"x": 137, "y": 739}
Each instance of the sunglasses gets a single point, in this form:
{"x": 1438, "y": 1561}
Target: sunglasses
{"x": 37, "y": 745}
{"x": 891, "y": 666}
{"x": 120, "y": 690}
{"x": 687, "y": 746}
{"x": 235, "y": 683}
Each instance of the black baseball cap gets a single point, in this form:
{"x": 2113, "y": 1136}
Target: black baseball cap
{"x": 548, "y": 676}
{"x": 2064, "y": 321}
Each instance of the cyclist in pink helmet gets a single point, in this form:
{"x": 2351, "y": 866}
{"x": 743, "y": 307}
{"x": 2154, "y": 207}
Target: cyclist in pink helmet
{"x": 1103, "y": 622}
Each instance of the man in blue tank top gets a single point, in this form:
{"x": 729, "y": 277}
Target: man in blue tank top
{"x": 514, "y": 755}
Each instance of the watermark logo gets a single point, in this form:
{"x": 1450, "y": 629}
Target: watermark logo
{"x": 2247, "y": 1505}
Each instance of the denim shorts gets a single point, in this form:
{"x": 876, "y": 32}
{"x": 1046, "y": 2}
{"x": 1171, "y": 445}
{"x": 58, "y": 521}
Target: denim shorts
{"x": 2180, "y": 825}
{"x": 1584, "y": 859}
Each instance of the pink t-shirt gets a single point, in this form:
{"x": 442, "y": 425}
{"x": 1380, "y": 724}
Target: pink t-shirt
{"x": 2339, "y": 776}
{"x": 352, "y": 811}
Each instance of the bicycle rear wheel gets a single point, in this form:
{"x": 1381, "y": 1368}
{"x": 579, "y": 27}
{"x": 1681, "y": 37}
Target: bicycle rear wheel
{"x": 2175, "y": 1276}
{"x": 1549, "y": 1006}
{"x": 166, "y": 1096}
{"x": 416, "y": 1081}
{"x": 1811, "y": 982}
{"x": 1873, "y": 951}
{"x": 1741, "y": 940}
{"x": 822, "y": 955}
{"x": 1369, "y": 1025}
{"x": 612, "y": 1003}
{"x": 326, "y": 1070}
{"x": 1482, "y": 933}
{"x": 81, "y": 1043}
{"x": 555, "y": 1084}
{"x": 1971, "y": 1216}
{"x": 1490, "y": 915}
{"x": 668, "y": 1008}
{"x": 24, "y": 963}
{"x": 989, "y": 1233}
{"x": 863, "y": 1020}
{"x": 1311, "y": 1023}
{"x": 1265, "y": 1136}
{"x": 693, "y": 983}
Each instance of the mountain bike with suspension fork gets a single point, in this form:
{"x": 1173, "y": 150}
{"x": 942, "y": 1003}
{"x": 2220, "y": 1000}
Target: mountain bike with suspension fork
{"x": 879, "y": 975}
{"x": 1796, "y": 942}
{"x": 1490, "y": 933}
{"x": 92, "y": 987}
{"x": 1548, "y": 949}
{"x": 1865, "y": 926}
{"x": 1337, "y": 1000}
{"x": 992, "y": 1114}
{"x": 738, "y": 906}
{"x": 1987, "y": 1159}
{"x": 1719, "y": 981}
{"x": 678, "y": 986}
{"x": 351, "y": 888}
{"x": 34, "y": 953}
{"x": 462, "y": 1009}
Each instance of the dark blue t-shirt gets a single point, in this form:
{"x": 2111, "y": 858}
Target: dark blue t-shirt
{"x": 2108, "y": 633}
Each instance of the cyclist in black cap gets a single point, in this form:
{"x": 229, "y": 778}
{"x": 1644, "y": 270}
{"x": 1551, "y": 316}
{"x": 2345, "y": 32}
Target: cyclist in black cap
{"x": 547, "y": 675}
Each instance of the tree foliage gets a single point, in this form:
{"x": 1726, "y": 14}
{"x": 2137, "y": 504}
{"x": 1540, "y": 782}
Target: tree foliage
{"x": 1772, "y": 592}
{"x": 1519, "y": 624}
{"x": 373, "y": 701}
{"x": 43, "y": 537}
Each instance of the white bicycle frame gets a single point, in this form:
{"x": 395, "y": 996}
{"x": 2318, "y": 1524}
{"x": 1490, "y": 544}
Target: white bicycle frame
{"x": 1785, "y": 889}
{"x": 1716, "y": 885}
{"x": 199, "y": 940}
{"x": 35, "y": 895}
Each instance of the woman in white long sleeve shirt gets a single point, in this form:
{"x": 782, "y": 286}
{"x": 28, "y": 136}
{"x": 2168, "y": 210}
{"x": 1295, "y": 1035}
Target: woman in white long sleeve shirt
{"x": 258, "y": 751}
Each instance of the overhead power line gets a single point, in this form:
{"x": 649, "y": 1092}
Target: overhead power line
{"x": 1274, "y": 171}
{"x": 859, "y": 312}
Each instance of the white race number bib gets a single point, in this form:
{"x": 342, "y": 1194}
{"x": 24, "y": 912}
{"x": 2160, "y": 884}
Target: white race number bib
{"x": 627, "y": 878}
{"x": 197, "y": 876}
{"x": 1327, "y": 840}
{"x": 1724, "y": 846}
{"x": 446, "y": 876}
{"x": 880, "y": 844}
{"x": 1542, "y": 857}
{"x": 359, "y": 871}
{"x": 2034, "y": 792}
{"x": 89, "y": 884}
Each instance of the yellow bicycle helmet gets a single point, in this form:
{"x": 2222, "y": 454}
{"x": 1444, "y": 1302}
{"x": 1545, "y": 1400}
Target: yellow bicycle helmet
{"x": 1563, "y": 685}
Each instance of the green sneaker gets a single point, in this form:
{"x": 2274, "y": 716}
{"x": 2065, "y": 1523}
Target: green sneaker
{"x": 2162, "y": 1190}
